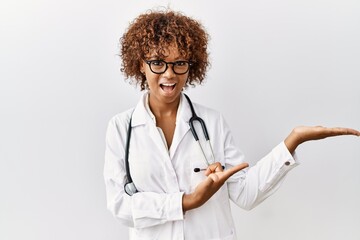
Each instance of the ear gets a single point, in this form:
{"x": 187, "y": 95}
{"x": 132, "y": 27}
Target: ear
{"x": 142, "y": 67}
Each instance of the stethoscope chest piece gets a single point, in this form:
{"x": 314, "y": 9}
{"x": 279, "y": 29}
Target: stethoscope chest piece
{"x": 130, "y": 188}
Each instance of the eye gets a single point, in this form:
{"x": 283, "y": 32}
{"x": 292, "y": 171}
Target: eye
{"x": 157, "y": 63}
{"x": 181, "y": 63}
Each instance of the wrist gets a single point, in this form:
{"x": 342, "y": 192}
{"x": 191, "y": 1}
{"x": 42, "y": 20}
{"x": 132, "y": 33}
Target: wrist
{"x": 292, "y": 141}
{"x": 187, "y": 202}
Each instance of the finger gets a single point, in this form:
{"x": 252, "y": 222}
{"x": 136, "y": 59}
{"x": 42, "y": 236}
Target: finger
{"x": 344, "y": 131}
{"x": 228, "y": 173}
{"x": 349, "y": 131}
{"x": 215, "y": 167}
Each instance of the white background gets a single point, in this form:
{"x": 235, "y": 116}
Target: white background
{"x": 275, "y": 65}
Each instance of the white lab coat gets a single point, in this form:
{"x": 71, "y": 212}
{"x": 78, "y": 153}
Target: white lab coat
{"x": 162, "y": 176}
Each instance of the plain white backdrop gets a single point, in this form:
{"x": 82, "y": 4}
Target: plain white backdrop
{"x": 275, "y": 65}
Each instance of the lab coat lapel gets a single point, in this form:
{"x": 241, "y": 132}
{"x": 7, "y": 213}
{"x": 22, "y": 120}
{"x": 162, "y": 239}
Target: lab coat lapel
{"x": 141, "y": 117}
{"x": 182, "y": 125}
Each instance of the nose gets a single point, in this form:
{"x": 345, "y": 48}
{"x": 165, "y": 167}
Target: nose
{"x": 169, "y": 73}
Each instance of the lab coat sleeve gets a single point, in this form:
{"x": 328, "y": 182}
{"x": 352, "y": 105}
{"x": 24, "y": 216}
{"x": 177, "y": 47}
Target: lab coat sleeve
{"x": 250, "y": 187}
{"x": 143, "y": 209}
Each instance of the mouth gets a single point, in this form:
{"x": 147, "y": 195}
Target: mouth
{"x": 167, "y": 87}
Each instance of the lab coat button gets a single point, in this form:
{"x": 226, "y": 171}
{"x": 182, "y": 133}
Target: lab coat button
{"x": 287, "y": 163}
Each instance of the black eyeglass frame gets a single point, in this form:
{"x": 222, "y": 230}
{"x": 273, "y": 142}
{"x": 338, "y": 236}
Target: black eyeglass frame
{"x": 148, "y": 62}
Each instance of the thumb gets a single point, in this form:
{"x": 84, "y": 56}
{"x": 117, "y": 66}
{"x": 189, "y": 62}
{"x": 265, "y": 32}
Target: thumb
{"x": 231, "y": 171}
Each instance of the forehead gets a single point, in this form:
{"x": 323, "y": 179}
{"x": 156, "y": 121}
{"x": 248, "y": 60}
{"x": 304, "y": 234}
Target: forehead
{"x": 168, "y": 52}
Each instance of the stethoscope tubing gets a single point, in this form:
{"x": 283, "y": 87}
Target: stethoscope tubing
{"x": 129, "y": 186}
{"x": 203, "y": 126}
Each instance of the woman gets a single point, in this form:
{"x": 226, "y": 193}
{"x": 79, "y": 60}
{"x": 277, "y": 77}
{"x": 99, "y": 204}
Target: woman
{"x": 170, "y": 187}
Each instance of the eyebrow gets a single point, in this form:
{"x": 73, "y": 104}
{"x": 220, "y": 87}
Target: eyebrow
{"x": 158, "y": 58}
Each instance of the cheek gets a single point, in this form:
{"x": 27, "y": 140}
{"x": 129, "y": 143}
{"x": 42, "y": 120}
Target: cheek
{"x": 184, "y": 79}
{"x": 152, "y": 80}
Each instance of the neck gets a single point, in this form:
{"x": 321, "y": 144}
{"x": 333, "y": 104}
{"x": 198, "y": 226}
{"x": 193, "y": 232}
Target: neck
{"x": 163, "y": 109}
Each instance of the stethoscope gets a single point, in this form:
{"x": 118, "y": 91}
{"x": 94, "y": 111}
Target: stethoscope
{"x": 129, "y": 187}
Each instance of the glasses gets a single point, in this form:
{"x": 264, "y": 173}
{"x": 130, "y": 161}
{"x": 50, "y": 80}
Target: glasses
{"x": 160, "y": 66}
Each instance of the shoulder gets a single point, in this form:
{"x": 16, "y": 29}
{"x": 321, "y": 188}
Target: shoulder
{"x": 215, "y": 123}
{"x": 202, "y": 110}
{"x": 123, "y": 116}
{"x": 208, "y": 114}
{"x": 212, "y": 117}
{"x": 121, "y": 120}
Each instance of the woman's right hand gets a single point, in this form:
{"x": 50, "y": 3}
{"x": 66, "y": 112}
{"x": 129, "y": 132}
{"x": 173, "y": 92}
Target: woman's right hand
{"x": 216, "y": 177}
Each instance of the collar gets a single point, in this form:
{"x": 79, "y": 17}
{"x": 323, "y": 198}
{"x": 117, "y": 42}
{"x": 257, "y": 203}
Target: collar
{"x": 142, "y": 113}
{"x": 147, "y": 107}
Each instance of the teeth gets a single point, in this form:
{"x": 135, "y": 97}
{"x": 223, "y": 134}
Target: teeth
{"x": 168, "y": 84}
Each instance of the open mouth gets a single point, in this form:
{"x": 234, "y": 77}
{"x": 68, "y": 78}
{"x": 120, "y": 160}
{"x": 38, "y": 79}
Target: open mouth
{"x": 167, "y": 87}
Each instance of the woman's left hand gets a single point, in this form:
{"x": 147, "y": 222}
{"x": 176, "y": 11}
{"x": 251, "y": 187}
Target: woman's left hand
{"x": 303, "y": 134}
{"x": 216, "y": 177}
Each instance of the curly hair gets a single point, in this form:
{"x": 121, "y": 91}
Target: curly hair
{"x": 155, "y": 31}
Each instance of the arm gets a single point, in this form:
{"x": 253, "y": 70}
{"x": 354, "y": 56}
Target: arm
{"x": 263, "y": 179}
{"x": 246, "y": 188}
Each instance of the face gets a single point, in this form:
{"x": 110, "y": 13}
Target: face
{"x": 165, "y": 87}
